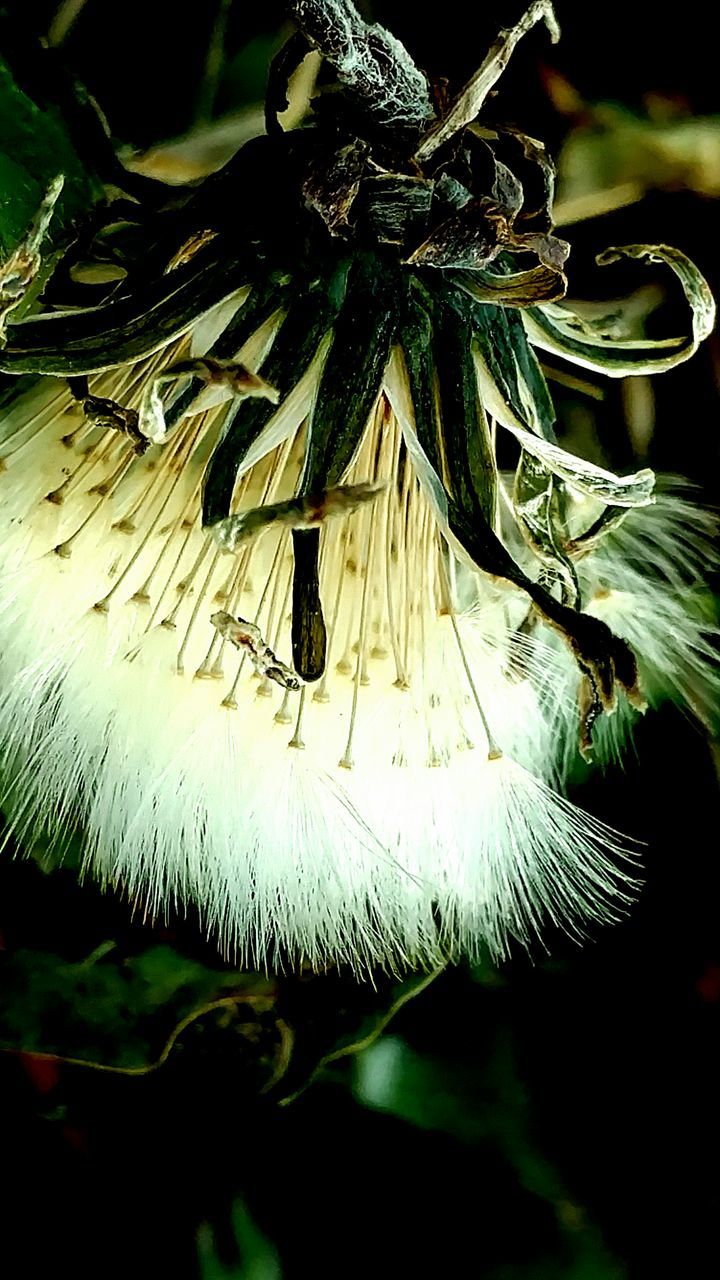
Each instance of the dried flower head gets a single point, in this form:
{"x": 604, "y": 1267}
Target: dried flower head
{"x": 276, "y": 632}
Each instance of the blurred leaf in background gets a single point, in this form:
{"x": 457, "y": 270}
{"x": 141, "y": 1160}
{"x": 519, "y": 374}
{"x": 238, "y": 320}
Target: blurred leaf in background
{"x": 485, "y": 1104}
{"x": 124, "y": 1013}
{"x": 36, "y": 146}
{"x": 256, "y": 1259}
{"x": 614, "y": 156}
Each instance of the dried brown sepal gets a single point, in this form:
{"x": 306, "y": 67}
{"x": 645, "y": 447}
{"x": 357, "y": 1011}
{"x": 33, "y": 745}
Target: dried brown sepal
{"x": 333, "y": 184}
{"x": 247, "y": 637}
{"x": 109, "y": 415}
{"x": 475, "y": 235}
{"x": 228, "y": 373}
{"x": 551, "y": 250}
{"x": 467, "y": 238}
{"x": 589, "y": 708}
{"x": 191, "y": 246}
{"x": 396, "y": 207}
{"x": 605, "y": 661}
{"x": 536, "y": 216}
{"x": 472, "y": 97}
{"x": 519, "y": 289}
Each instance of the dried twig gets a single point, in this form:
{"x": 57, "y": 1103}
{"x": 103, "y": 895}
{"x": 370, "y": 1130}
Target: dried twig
{"x": 470, "y": 99}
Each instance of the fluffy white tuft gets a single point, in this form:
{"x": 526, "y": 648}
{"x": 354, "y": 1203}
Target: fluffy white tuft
{"x": 395, "y": 812}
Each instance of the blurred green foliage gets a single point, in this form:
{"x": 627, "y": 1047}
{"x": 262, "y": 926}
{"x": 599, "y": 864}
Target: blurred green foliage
{"x": 35, "y": 146}
{"x": 484, "y": 1101}
{"x": 259, "y": 1258}
{"x": 114, "y": 1011}
{"x": 613, "y": 147}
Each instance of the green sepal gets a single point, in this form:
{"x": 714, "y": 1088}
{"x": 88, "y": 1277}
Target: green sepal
{"x": 562, "y": 332}
{"x": 510, "y": 363}
{"x": 352, "y": 377}
{"x": 465, "y": 515}
{"x": 265, "y": 298}
{"x": 309, "y": 318}
{"x": 537, "y": 497}
{"x": 604, "y": 659}
{"x": 467, "y": 447}
{"x": 126, "y": 329}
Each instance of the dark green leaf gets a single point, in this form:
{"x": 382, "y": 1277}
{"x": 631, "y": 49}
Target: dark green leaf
{"x": 129, "y": 328}
{"x": 560, "y": 330}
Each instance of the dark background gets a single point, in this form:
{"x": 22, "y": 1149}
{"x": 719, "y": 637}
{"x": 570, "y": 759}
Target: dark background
{"x": 558, "y": 1118}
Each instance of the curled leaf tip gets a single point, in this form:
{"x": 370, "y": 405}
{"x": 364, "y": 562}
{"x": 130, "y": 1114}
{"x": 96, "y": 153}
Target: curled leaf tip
{"x": 471, "y": 98}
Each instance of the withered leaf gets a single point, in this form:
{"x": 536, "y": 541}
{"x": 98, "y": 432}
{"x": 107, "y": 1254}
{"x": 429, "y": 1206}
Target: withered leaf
{"x": 333, "y": 182}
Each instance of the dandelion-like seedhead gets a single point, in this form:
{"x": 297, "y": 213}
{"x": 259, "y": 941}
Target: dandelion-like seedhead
{"x": 276, "y": 633}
